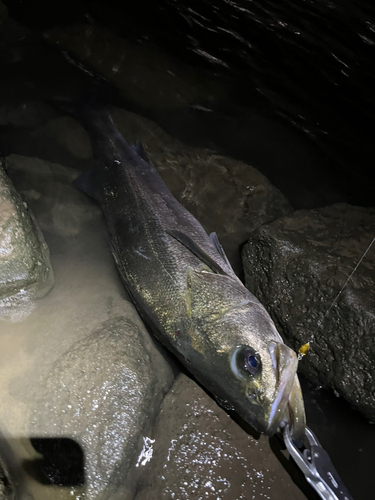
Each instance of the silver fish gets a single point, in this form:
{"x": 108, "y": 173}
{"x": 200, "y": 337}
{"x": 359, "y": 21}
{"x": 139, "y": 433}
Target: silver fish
{"x": 185, "y": 289}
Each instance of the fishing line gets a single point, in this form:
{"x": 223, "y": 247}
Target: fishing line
{"x": 341, "y": 237}
{"x": 305, "y": 347}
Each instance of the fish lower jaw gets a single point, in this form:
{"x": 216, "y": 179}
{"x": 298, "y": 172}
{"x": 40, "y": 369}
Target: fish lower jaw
{"x": 291, "y": 411}
{"x": 285, "y": 362}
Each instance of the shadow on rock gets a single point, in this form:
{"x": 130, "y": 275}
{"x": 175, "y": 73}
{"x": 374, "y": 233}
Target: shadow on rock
{"x": 62, "y": 462}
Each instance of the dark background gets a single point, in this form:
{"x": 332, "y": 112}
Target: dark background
{"x": 309, "y": 63}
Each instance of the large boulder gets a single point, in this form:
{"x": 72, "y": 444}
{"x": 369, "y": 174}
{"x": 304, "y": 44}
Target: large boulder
{"x": 82, "y": 368}
{"x": 25, "y": 268}
{"x": 146, "y": 76}
{"x": 103, "y": 393}
{"x": 227, "y": 196}
{"x": 197, "y": 451}
{"x": 297, "y": 266}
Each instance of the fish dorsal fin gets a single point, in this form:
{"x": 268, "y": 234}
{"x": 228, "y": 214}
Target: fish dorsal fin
{"x": 215, "y": 241}
{"x": 185, "y": 240}
{"x": 139, "y": 149}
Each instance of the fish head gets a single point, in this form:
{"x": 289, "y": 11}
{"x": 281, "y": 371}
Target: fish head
{"x": 246, "y": 365}
{"x": 262, "y": 377}
{"x": 242, "y": 358}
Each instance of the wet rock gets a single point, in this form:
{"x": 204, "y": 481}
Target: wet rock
{"x": 197, "y": 451}
{"x": 25, "y": 268}
{"x": 81, "y": 367}
{"x": 71, "y": 135}
{"x": 119, "y": 381}
{"x": 48, "y": 188}
{"x": 145, "y": 75}
{"x": 226, "y": 196}
{"x": 296, "y": 266}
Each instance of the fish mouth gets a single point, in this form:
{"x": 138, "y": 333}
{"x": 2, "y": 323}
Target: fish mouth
{"x": 285, "y": 364}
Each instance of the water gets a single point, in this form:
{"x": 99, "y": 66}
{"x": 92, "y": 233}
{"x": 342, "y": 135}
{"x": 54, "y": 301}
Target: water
{"x": 296, "y": 101}
{"x": 309, "y": 63}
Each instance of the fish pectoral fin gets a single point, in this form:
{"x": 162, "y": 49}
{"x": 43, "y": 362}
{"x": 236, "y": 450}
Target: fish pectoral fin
{"x": 185, "y": 240}
{"x": 215, "y": 241}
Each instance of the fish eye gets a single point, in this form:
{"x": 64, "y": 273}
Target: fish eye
{"x": 252, "y": 362}
{"x": 245, "y": 360}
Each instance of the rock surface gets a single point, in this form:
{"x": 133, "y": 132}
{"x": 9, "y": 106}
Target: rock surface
{"x": 119, "y": 381}
{"x": 145, "y": 75}
{"x": 25, "y": 268}
{"x": 200, "y": 452}
{"x": 6, "y": 491}
{"x": 227, "y": 196}
{"x": 81, "y": 365}
{"x": 28, "y": 114}
{"x": 296, "y": 266}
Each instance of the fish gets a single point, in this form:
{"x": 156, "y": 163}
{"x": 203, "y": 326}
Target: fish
{"x": 184, "y": 287}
